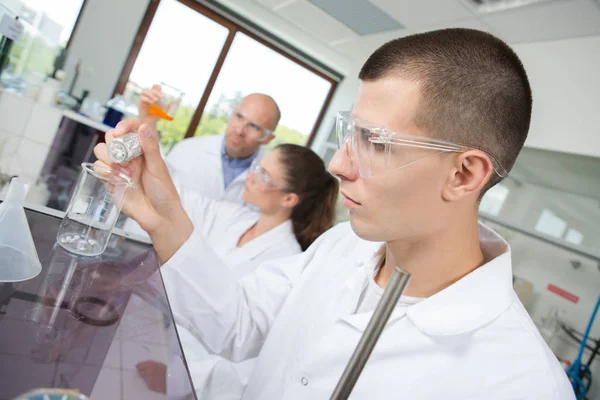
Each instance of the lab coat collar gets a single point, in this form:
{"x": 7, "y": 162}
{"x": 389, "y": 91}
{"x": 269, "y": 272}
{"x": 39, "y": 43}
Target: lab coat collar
{"x": 473, "y": 301}
{"x": 273, "y": 237}
{"x": 464, "y": 306}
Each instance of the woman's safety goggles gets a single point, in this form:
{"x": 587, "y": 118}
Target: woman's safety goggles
{"x": 261, "y": 176}
{"x": 377, "y": 150}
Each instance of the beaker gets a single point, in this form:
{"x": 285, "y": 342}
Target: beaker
{"x": 167, "y": 106}
{"x": 52, "y": 393}
{"x": 93, "y": 210}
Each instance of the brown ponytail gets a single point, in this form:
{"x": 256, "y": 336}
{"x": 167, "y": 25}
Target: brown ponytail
{"x": 317, "y": 189}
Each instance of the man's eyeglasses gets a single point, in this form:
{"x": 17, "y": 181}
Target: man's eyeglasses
{"x": 251, "y": 128}
{"x": 376, "y": 150}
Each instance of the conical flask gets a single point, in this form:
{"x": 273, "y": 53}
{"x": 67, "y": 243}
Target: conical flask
{"x": 18, "y": 257}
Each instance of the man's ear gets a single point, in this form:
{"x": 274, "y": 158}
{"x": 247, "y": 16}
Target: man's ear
{"x": 267, "y": 140}
{"x": 471, "y": 171}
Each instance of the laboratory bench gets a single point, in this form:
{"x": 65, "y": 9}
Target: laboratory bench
{"x": 85, "y": 323}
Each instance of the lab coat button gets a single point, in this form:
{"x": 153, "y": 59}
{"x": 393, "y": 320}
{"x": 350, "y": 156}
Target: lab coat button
{"x": 304, "y": 381}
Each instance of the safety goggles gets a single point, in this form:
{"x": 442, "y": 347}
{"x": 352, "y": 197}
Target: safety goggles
{"x": 250, "y": 127}
{"x": 262, "y": 177}
{"x": 377, "y": 150}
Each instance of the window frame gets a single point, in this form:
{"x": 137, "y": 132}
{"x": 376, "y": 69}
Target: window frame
{"x": 233, "y": 28}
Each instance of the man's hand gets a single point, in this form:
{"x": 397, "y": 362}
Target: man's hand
{"x": 149, "y": 96}
{"x": 153, "y": 202}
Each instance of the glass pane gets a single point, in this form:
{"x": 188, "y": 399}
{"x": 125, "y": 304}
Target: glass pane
{"x": 47, "y": 29}
{"x": 180, "y": 49}
{"x": 550, "y": 195}
{"x": 251, "y": 67}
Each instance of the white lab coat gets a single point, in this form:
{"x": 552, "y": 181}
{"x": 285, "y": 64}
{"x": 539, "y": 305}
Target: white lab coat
{"x": 472, "y": 340}
{"x": 218, "y": 226}
{"x": 196, "y": 164}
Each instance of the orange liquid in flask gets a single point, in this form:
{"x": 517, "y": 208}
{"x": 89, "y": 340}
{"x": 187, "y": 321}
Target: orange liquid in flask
{"x": 159, "y": 112}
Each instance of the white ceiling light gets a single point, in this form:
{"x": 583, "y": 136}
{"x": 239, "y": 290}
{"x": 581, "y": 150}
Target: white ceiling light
{"x": 489, "y": 6}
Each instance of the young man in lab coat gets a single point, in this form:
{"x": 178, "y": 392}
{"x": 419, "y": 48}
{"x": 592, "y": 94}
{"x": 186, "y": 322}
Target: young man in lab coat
{"x": 440, "y": 117}
{"x": 216, "y": 165}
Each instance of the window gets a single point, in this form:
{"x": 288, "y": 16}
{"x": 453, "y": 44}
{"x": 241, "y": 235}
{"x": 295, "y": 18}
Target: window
{"x": 252, "y": 67}
{"x": 48, "y": 26}
{"x": 216, "y": 62}
{"x": 172, "y": 53}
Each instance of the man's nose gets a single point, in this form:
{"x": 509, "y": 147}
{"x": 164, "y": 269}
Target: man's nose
{"x": 342, "y": 166}
{"x": 240, "y": 130}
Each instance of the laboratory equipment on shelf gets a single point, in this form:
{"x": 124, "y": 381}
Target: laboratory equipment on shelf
{"x": 116, "y": 108}
{"x": 18, "y": 256}
{"x": 93, "y": 210}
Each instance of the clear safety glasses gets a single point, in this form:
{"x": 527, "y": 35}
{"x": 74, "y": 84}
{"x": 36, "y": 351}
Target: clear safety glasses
{"x": 251, "y": 128}
{"x": 262, "y": 177}
{"x": 376, "y": 150}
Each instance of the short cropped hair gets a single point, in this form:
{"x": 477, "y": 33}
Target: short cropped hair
{"x": 474, "y": 89}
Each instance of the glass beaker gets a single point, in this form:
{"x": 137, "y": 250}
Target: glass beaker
{"x": 52, "y": 394}
{"x": 93, "y": 210}
{"x": 167, "y": 106}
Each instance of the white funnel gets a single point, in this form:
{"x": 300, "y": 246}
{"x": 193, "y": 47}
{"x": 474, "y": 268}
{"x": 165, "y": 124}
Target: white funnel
{"x": 18, "y": 257}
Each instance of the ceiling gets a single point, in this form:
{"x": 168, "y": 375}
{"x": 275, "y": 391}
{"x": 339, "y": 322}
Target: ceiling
{"x": 546, "y": 20}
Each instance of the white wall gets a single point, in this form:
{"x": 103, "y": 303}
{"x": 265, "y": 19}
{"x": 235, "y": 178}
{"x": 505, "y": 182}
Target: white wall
{"x": 566, "y": 92}
{"x": 102, "y": 42}
{"x": 343, "y": 100}
{"x": 27, "y": 131}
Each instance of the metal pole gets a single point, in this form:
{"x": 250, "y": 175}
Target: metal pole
{"x": 364, "y": 348}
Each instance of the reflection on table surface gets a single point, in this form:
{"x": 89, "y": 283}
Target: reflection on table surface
{"x": 86, "y": 323}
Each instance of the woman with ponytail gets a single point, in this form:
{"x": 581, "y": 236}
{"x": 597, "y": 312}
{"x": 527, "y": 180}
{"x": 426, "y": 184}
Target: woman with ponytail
{"x": 306, "y": 175}
{"x": 290, "y": 201}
